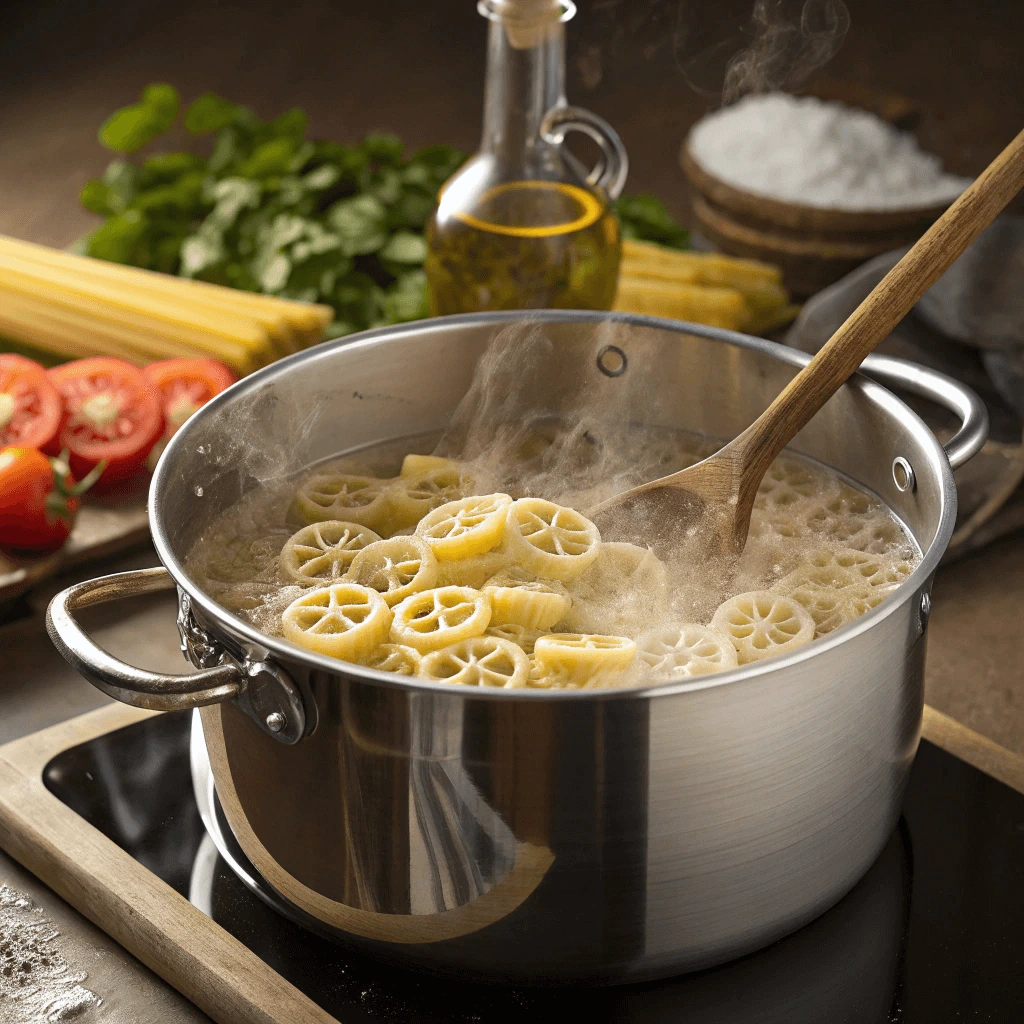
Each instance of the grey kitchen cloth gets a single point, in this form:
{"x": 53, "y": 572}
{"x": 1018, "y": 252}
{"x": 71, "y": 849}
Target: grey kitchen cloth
{"x": 978, "y": 302}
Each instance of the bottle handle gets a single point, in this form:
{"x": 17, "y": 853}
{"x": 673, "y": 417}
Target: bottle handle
{"x": 609, "y": 174}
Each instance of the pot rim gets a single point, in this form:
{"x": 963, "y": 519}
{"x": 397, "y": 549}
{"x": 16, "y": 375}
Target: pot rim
{"x": 285, "y": 650}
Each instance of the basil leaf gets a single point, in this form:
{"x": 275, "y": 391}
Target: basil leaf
{"x": 210, "y": 113}
{"x": 117, "y": 239}
{"x": 360, "y": 223}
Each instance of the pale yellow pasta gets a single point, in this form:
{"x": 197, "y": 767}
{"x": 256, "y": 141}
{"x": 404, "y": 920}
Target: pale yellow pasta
{"x": 343, "y": 496}
{"x": 418, "y": 575}
{"x": 551, "y": 540}
{"x": 521, "y": 636}
{"x": 474, "y": 571}
{"x": 414, "y": 465}
{"x": 679, "y": 652}
{"x": 519, "y": 598}
{"x": 410, "y": 498}
{"x": 322, "y": 552}
{"x": 433, "y": 619}
{"x": 583, "y": 659}
{"x": 624, "y": 591}
{"x": 761, "y": 624}
{"x": 479, "y": 661}
{"x": 343, "y": 620}
{"x": 395, "y": 568}
{"x": 464, "y": 528}
{"x": 405, "y": 661}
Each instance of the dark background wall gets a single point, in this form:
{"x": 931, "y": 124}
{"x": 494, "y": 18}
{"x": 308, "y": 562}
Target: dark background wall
{"x": 416, "y": 67}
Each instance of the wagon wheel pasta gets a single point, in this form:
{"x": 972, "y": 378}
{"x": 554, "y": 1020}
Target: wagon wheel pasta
{"x": 410, "y": 498}
{"x": 433, "y": 619}
{"x": 479, "y": 661}
{"x": 679, "y": 652}
{"x": 473, "y": 571}
{"x": 761, "y": 624}
{"x": 521, "y": 636}
{"x": 394, "y": 658}
{"x": 343, "y": 620}
{"x": 622, "y": 591}
{"x": 415, "y": 465}
{"x": 467, "y": 527}
{"x": 551, "y": 540}
{"x": 395, "y": 568}
{"x": 519, "y": 598}
{"x": 582, "y": 659}
{"x": 322, "y": 552}
{"x": 419, "y": 575}
{"x": 354, "y": 499}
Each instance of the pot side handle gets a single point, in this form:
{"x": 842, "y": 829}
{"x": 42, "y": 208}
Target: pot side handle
{"x": 944, "y": 391}
{"x": 126, "y": 683}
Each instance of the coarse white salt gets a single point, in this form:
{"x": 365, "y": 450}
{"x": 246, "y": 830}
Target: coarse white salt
{"x": 805, "y": 150}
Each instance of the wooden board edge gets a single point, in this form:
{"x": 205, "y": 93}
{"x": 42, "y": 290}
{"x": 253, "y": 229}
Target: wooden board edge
{"x": 977, "y": 750}
{"x": 157, "y": 925}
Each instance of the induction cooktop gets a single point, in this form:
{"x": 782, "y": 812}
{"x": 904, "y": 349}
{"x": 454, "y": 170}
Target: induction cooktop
{"x": 933, "y": 933}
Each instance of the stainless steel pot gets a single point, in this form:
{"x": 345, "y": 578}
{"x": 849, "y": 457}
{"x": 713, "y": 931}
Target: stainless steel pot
{"x": 547, "y": 837}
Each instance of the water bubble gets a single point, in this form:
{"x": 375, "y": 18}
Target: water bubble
{"x": 198, "y": 491}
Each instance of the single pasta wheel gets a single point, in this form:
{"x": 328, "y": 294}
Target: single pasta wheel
{"x": 892, "y": 573}
{"x": 343, "y": 620}
{"x": 405, "y": 661}
{"x": 517, "y": 597}
{"x": 478, "y": 661}
{"x": 762, "y": 623}
{"x": 516, "y": 634}
{"x": 342, "y": 496}
{"x": 551, "y": 540}
{"x": 414, "y": 465}
{"x": 679, "y": 652}
{"x": 830, "y": 608}
{"x": 395, "y": 568}
{"x": 624, "y": 590}
{"x": 878, "y": 534}
{"x": 835, "y": 569}
{"x": 584, "y": 659}
{"x": 467, "y": 527}
{"x": 433, "y": 619}
{"x": 322, "y": 552}
{"x": 788, "y": 483}
{"x": 410, "y": 498}
{"x": 474, "y": 571}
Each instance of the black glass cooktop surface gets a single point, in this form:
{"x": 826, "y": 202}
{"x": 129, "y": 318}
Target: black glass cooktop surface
{"x": 933, "y": 933}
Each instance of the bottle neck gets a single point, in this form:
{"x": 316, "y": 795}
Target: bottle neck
{"x": 525, "y": 79}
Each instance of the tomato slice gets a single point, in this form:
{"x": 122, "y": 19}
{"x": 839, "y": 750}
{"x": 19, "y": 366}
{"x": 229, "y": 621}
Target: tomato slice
{"x": 111, "y": 412}
{"x": 30, "y": 409}
{"x": 186, "y": 384}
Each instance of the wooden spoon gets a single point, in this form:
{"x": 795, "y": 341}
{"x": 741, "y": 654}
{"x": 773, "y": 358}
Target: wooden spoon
{"x": 716, "y": 496}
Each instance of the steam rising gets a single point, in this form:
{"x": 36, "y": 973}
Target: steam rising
{"x": 784, "y": 52}
{"x": 541, "y": 419}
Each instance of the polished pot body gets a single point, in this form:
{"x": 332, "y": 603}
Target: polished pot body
{"x": 560, "y": 836}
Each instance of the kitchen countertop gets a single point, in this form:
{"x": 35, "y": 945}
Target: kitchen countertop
{"x": 63, "y": 68}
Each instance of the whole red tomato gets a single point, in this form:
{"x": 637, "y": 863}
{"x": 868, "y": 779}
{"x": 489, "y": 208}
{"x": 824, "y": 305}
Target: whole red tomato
{"x": 38, "y": 499}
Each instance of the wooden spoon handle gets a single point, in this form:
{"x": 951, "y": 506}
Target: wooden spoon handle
{"x": 876, "y": 317}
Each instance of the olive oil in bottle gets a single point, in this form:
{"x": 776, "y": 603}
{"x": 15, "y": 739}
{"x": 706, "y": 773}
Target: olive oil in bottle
{"x": 522, "y": 225}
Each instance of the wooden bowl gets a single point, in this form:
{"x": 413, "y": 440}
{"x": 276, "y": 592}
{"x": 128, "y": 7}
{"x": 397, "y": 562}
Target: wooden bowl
{"x": 813, "y": 245}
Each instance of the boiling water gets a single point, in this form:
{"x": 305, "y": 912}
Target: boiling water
{"x": 810, "y": 530}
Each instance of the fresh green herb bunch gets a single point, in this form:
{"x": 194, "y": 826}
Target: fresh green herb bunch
{"x": 269, "y": 211}
{"x": 644, "y": 218}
